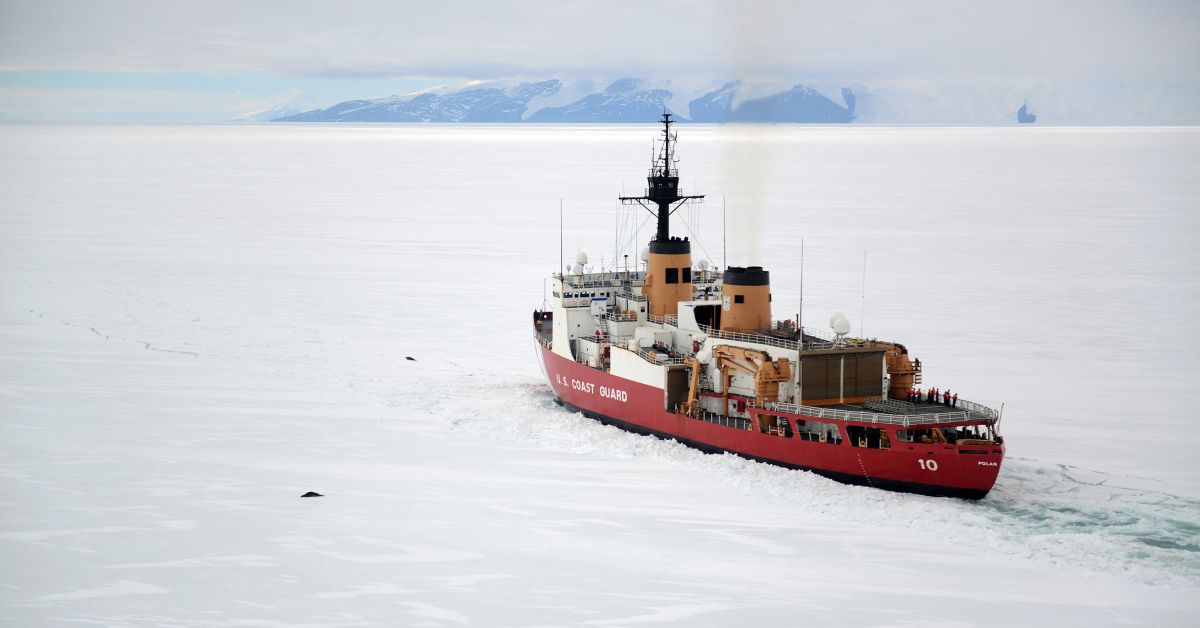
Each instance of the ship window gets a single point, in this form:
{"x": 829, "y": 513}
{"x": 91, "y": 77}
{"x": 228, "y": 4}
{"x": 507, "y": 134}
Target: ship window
{"x": 769, "y": 299}
{"x": 971, "y": 434}
{"x": 672, "y": 275}
{"x": 774, "y": 425}
{"x": 868, "y": 437}
{"x": 557, "y": 295}
{"x": 687, "y": 275}
{"x": 739, "y": 298}
{"x": 818, "y": 432}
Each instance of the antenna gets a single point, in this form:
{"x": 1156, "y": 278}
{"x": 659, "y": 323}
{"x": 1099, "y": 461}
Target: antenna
{"x": 560, "y": 239}
{"x": 666, "y": 172}
{"x": 616, "y": 228}
{"x": 724, "y": 238}
{"x": 862, "y": 308}
{"x": 800, "y": 316}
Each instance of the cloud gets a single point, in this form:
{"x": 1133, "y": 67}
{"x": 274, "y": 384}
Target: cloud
{"x": 867, "y": 40}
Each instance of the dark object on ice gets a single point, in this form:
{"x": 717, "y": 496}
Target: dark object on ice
{"x": 410, "y": 358}
{"x": 312, "y": 494}
{"x": 1024, "y": 117}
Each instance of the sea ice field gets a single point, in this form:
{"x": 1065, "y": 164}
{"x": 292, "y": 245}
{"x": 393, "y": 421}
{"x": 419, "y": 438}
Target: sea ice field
{"x": 198, "y": 324}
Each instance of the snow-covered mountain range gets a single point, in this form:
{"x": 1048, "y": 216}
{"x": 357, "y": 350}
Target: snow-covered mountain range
{"x": 641, "y": 100}
{"x": 623, "y": 100}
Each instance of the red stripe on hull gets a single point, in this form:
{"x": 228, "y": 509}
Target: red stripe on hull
{"x": 905, "y": 466}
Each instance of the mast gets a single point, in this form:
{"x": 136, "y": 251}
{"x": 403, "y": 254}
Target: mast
{"x": 669, "y": 267}
{"x": 662, "y": 185}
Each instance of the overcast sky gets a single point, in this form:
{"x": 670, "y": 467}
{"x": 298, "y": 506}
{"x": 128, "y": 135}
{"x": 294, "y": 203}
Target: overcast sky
{"x": 225, "y": 56}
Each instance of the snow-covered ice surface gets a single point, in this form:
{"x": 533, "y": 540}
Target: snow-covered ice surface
{"x": 199, "y": 324}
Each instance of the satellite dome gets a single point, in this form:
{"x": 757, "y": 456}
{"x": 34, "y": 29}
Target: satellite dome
{"x": 840, "y": 325}
{"x": 581, "y": 258}
{"x": 645, "y": 254}
{"x": 703, "y": 264}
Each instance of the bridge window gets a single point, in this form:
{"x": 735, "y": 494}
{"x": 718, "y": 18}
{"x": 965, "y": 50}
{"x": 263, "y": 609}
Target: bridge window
{"x": 687, "y": 274}
{"x": 672, "y": 275}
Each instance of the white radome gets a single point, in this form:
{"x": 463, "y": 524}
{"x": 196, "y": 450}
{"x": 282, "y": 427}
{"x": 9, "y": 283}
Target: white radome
{"x": 840, "y": 324}
{"x": 581, "y": 258}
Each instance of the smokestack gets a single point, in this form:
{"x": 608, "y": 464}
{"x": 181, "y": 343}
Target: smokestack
{"x": 668, "y": 275}
{"x": 746, "y": 299}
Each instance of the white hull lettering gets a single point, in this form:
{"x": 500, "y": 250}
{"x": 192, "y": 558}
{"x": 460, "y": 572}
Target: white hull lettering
{"x": 615, "y": 394}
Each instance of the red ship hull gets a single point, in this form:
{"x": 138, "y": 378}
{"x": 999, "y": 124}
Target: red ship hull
{"x": 928, "y": 469}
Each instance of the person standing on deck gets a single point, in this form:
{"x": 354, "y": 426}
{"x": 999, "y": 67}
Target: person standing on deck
{"x": 954, "y": 401}
{"x": 946, "y": 398}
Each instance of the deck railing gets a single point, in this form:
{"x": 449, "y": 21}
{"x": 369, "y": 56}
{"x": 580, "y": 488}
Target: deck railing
{"x": 971, "y": 406}
{"x": 740, "y": 336}
{"x": 905, "y": 420}
{"x": 666, "y": 319}
{"x": 620, "y": 316}
{"x": 720, "y": 419}
{"x": 825, "y": 340}
{"x": 653, "y": 357}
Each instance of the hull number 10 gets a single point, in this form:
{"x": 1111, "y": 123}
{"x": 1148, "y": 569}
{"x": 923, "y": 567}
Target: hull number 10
{"x": 928, "y": 465}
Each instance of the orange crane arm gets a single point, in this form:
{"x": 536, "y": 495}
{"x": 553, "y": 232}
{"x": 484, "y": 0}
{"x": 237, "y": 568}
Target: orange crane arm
{"x": 766, "y": 373}
{"x": 689, "y": 407}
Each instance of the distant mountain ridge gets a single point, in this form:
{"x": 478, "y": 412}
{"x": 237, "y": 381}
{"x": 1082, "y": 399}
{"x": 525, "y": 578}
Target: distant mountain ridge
{"x": 624, "y": 100}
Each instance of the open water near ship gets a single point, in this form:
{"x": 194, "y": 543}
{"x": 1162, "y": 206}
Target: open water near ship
{"x": 150, "y": 273}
